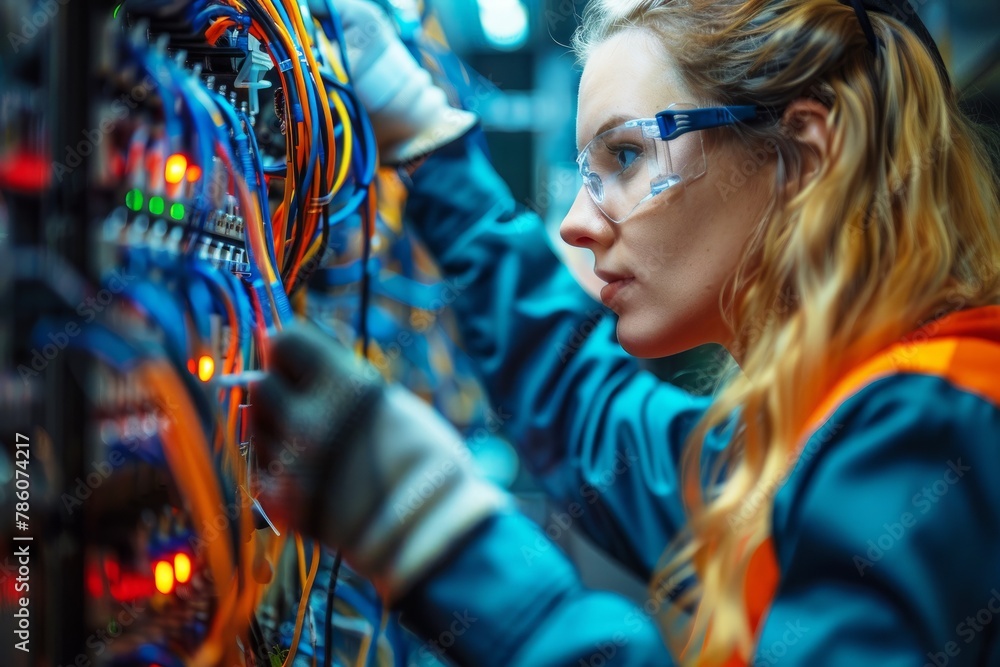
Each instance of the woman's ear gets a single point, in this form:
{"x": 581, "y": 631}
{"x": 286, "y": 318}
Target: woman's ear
{"x": 805, "y": 121}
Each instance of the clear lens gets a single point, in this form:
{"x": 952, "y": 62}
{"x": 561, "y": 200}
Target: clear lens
{"x": 628, "y": 165}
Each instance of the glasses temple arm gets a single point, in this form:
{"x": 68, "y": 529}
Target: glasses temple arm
{"x": 670, "y": 120}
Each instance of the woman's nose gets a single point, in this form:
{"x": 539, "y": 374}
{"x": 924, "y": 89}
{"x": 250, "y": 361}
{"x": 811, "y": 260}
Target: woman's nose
{"x": 585, "y": 226}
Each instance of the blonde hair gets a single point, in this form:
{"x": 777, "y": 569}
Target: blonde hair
{"x": 898, "y": 227}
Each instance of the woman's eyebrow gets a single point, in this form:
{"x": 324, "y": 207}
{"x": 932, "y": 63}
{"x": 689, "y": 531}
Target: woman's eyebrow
{"x": 613, "y": 121}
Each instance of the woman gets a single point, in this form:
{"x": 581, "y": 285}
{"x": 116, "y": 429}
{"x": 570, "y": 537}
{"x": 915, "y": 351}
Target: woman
{"x": 830, "y": 217}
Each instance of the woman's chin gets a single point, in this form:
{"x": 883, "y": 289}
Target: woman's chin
{"x": 653, "y": 342}
{"x": 640, "y": 344}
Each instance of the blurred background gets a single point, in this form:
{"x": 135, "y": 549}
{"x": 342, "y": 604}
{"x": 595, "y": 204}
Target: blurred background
{"x": 528, "y": 100}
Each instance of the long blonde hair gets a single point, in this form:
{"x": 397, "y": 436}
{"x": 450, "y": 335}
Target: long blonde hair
{"x": 899, "y": 226}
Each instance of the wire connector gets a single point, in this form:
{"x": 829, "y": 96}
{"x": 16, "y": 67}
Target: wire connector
{"x": 251, "y": 76}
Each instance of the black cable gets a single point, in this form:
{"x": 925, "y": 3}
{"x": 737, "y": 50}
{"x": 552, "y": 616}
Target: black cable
{"x": 258, "y": 646}
{"x": 363, "y": 332}
{"x": 307, "y": 270}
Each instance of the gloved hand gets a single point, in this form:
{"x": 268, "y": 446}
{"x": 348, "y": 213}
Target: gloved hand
{"x": 411, "y": 116}
{"x": 364, "y": 467}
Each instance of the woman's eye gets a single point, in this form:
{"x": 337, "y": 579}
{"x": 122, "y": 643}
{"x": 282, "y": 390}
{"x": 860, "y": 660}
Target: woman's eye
{"x": 626, "y": 156}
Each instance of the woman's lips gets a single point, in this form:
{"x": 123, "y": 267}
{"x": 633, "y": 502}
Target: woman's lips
{"x": 611, "y": 291}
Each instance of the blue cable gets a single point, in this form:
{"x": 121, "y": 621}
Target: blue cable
{"x": 213, "y": 11}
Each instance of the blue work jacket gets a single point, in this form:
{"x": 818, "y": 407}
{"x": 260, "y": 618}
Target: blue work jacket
{"x": 887, "y": 537}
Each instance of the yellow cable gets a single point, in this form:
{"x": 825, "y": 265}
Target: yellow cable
{"x": 303, "y": 601}
{"x": 300, "y": 549}
{"x": 295, "y": 14}
{"x": 299, "y": 78}
{"x": 327, "y": 49}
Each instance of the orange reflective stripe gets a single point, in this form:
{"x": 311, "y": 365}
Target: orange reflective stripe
{"x": 962, "y": 348}
{"x": 979, "y": 364}
{"x": 758, "y": 590}
{"x": 761, "y": 582}
{"x": 931, "y": 357}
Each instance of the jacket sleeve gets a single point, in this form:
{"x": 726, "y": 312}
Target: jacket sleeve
{"x": 491, "y": 606}
{"x": 602, "y": 436}
{"x": 887, "y": 534}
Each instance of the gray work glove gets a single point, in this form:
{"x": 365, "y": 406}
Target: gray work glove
{"x": 365, "y": 467}
{"x": 411, "y": 116}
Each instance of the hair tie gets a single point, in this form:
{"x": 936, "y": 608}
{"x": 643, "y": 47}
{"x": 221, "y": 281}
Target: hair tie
{"x": 866, "y": 25}
{"x": 900, "y": 9}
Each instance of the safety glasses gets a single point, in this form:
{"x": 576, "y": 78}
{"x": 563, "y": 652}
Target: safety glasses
{"x": 628, "y": 165}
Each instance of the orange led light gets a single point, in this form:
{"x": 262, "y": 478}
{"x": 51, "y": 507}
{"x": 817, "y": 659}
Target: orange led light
{"x": 176, "y": 169}
{"x": 206, "y": 368}
{"x": 193, "y": 173}
{"x": 182, "y": 568}
{"x": 163, "y": 576}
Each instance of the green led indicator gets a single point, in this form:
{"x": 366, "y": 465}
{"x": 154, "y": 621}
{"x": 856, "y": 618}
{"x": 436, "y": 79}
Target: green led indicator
{"x": 177, "y": 211}
{"x": 156, "y": 205}
{"x": 134, "y": 200}
{"x": 117, "y": 9}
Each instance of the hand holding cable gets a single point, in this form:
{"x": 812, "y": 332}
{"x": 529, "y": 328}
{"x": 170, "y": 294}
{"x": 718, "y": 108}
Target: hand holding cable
{"x": 365, "y": 467}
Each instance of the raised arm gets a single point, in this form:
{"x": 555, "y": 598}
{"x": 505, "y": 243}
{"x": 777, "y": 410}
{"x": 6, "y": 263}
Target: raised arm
{"x": 602, "y": 435}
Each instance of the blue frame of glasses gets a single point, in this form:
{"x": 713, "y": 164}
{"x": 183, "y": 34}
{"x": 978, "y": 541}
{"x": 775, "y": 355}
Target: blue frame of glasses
{"x": 667, "y": 125}
{"x": 675, "y": 122}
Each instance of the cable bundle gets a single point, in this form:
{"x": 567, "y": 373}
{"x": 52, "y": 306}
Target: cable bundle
{"x": 220, "y": 233}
